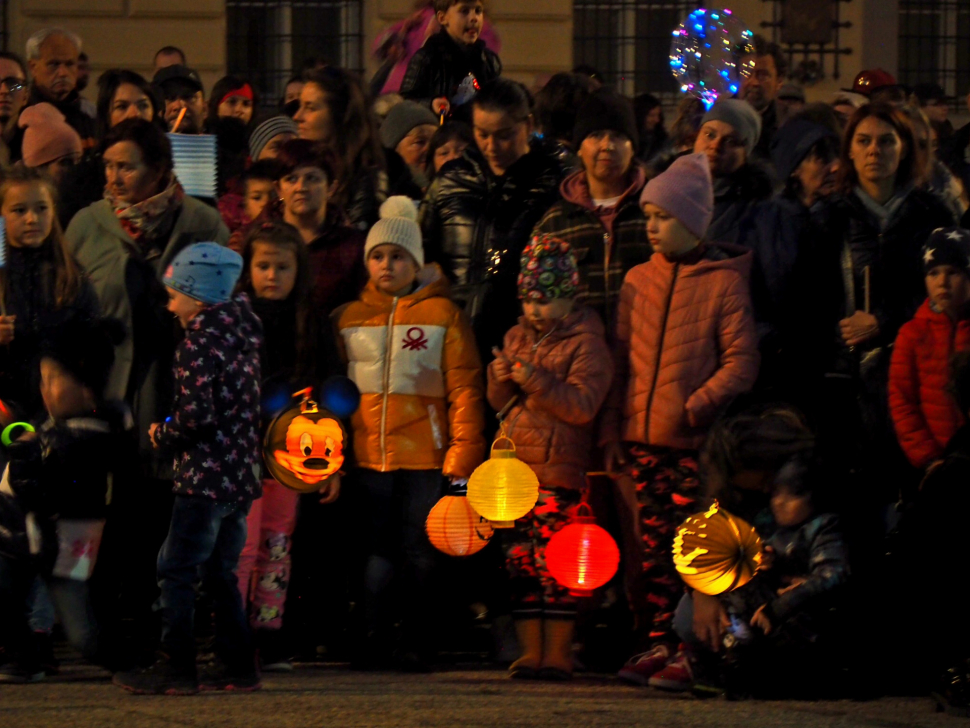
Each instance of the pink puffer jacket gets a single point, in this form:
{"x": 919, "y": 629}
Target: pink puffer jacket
{"x": 552, "y": 421}
{"x": 686, "y": 346}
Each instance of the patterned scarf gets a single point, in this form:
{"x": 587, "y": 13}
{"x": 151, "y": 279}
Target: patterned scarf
{"x": 144, "y": 218}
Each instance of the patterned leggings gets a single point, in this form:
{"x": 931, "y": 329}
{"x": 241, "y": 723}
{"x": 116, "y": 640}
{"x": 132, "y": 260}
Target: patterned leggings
{"x": 264, "y": 564}
{"x": 667, "y": 484}
{"x": 535, "y": 594}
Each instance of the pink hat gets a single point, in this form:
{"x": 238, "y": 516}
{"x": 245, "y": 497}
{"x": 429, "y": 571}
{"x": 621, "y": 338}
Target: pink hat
{"x": 47, "y": 136}
{"x": 685, "y": 191}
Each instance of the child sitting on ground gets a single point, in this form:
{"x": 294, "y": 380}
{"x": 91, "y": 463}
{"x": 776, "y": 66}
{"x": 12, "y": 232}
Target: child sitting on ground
{"x": 213, "y": 435}
{"x": 556, "y": 366}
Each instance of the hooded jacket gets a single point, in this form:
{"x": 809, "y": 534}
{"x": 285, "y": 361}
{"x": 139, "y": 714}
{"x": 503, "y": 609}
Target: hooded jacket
{"x": 685, "y": 347}
{"x": 552, "y": 420}
{"x": 439, "y": 67}
{"x": 213, "y": 431}
{"x": 924, "y": 413}
{"x": 735, "y": 198}
{"x": 605, "y": 246}
{"x": 415, "y": 362}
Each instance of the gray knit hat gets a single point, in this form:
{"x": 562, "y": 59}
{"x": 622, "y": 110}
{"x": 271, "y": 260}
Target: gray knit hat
{"x": 401, "y": 119}
{"x": 272, "y": 127}
{"x": 742, "y": 116}
{"x": 398, "y": 226}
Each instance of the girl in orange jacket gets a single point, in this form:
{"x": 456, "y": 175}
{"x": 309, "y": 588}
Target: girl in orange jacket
{"x": 413, "y": 356}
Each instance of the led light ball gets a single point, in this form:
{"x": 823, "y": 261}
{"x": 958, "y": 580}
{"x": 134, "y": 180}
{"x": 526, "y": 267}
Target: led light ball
{"x": 706, "y": 51}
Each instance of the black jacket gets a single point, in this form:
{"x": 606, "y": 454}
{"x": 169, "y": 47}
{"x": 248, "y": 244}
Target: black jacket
{"x": 83, "y": 124}
{"x": 476, "y": 225}
{"x": 438, "y": 68}
{"x": 400, "y": 178}
{"x": 362, "y": 197}
{"x": 735, "y": 196}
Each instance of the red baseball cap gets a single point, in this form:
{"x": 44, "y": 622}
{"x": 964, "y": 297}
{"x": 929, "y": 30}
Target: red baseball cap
{"x": 869, "y": 80}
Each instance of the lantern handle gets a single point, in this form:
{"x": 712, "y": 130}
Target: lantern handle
{"x": 502, "y": 436}
{"x": 579, "y": 508}
{"x": 307, "y": 405}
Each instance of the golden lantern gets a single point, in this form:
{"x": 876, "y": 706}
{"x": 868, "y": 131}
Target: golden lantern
{"x": 503, "y": 488}
{"x": 715, "y": 552}
{"x": 455, "y": 529}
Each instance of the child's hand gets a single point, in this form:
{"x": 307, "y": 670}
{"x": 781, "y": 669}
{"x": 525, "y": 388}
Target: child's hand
{"x": 711, "y": 620}
{"x": 521, "y": 372}
{"x": 501, "y": 367}
{"x": 614, "y": 457}
{"x": 6, "y": 328}
{"x": 151, "y": 433}
{"x": 767, "y": 558}
{"x": 761, "y": 621}
{"x": 330, "y": 489}
{"x": 794, "y": 583}
{"x": 441, "y": 106}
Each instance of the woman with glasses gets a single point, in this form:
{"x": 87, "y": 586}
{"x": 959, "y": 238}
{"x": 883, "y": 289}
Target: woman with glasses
{"x": 13, "y": 96}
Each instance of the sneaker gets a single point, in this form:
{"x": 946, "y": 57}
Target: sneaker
{"x": 14, "y": 673}
{"x": 273, "y": 655}
{"x": 165, "y": 677}
{"x": 217, "y": 675}
{"x": 677, "y": 676}
{"x": 640, "y": 668}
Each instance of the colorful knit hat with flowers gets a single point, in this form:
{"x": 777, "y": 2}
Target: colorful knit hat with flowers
{"x": 548, "y": 270}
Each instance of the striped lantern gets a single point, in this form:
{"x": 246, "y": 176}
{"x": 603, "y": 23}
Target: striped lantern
{"x": 455, "y": 529}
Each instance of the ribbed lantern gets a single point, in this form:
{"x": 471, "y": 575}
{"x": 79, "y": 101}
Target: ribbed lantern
{"x": 582, "y": 556}
{"x": 503, "y": 488}
{"x": 455, "y": 529}
{"x": 715, "y": 552}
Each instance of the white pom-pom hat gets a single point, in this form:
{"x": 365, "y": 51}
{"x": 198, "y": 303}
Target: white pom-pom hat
{"x": 398, "y": 226}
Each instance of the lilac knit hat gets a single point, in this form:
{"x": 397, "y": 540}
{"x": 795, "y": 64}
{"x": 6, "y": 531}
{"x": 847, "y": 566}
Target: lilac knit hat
{"x": 685, "y": 191}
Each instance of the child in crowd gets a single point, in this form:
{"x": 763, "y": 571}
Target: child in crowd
{"x": 41, "y": 284}
{"x": 923, "y": 410}
{"x": 257, "y": 190}
{"x": 55, "y": 494}
{"x": 453, "y": 64}
{"x": 556, "y": 367}
{"x": 686, "y": 346}
{"x": 448, "y": 143}
{"x": 298, "y": 351}
{"x": 213, "y": 436}
{"x": 412, "y": 354}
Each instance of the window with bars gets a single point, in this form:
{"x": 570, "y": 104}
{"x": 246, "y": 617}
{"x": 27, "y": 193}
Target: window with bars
{"x": 3, "y": 25}
{"x": 628, "y": 42}
{"x": 269, "y": 40}
{"x": 933, "y": 45}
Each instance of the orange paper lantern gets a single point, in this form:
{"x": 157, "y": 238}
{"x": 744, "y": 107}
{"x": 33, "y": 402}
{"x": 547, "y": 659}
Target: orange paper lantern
{"x": 455, "y": 529}
{"x": 582, "y": 556}
{"x": 715, "y": 552}
{"x": 503, "y": 488}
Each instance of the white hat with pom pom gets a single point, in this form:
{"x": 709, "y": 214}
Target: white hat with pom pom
{"x": 398, "y": 226}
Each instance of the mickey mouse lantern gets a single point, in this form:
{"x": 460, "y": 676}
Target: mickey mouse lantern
{"x": 304, "y": 445}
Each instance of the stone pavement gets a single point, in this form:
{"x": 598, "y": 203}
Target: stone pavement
{"x": 334, "y": 697}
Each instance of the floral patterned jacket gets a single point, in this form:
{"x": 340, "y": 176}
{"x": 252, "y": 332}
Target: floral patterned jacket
{"x": 214, "y": 430}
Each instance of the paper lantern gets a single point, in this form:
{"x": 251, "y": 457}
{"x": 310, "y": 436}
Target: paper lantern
{"x": 304, "y": 445}
{"x": 715, "y": 552}
{"x": 582, "y": 556}
{"x": 455, "y": 529}
{"x": 503, "y": 488}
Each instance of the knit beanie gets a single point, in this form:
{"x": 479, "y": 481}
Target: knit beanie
{"x": 685, "y": 191}
{"x": 264, "y": 133}
{"x": 792, "y": 143}
{"x": 398, "y": 226}
{"x": 947, "y": 246}
{"x": 401, "y": 119}
{"x": 548, "y": 270}
{"x": 606, "y": 111}
{"x": 742, "y": 116}
{"x": 206, "y": 272}
{"x": 47, "y": 136}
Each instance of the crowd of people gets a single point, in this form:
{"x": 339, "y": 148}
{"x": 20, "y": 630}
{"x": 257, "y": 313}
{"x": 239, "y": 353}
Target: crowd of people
{"x": 764, "y": 305}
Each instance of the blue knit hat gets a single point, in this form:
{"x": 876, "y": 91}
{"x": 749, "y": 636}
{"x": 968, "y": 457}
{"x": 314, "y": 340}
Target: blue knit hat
{"x": 206, "y": 272}
{"x": 947, "y": 246}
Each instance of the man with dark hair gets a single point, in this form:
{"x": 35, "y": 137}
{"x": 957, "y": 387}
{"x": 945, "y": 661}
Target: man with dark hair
{"x": 169, "y": 56}
{"x": 760, "y": 89}
{"x": 13, "y": 96}
{"x": 181, "y": 88}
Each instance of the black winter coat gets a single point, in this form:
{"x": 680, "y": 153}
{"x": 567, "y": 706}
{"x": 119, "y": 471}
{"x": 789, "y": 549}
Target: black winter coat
{"x": 438, "y": 68}
{"x": 735, "y": 197}
{"x": 74, "y": 115}
{"x": 29, "y": 295}
{"x": 476, "y": 226}
{"x": 362, "y": 197}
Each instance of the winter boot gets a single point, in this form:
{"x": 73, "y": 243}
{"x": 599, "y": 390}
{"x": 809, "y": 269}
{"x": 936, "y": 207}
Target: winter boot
{"x": 557, "y": 649}
{"x": 529, "y": 634}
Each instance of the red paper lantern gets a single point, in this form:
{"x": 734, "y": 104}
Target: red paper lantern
{"x": 582, "y": 556}
{"x": 455, "y": 529}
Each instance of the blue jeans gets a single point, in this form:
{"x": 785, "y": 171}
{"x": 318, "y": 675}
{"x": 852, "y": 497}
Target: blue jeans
{"x": 70, "y": 600}
{"x": 204, "y": 534}
{"x": 398, "y": 504}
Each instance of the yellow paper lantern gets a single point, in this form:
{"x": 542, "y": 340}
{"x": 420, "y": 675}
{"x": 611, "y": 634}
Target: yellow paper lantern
{"x": 455, "y": 529}
{"x": 716, "y": 552}
{"x": 503, "y": 488}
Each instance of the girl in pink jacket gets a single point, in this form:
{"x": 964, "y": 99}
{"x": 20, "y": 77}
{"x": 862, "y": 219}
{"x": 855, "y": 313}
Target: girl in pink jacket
{"x": 686, "y": 346}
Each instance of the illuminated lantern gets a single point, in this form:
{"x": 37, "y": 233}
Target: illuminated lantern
{"x": 715, "y": 552}
{"x": 455, "y": 529}
{"x": 304, "y": 445}
{"x": 503, "y": 488}
{"x": 582, "y": 556}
